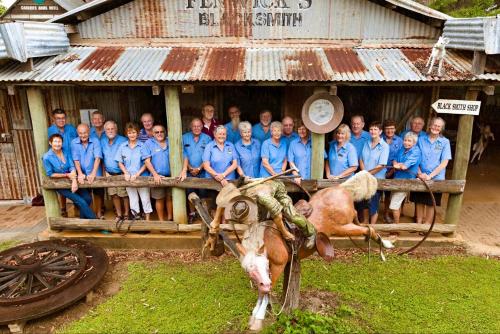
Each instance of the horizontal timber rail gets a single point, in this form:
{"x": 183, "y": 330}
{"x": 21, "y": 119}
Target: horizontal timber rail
{"x": 76, "y": 224}
{"x": 447, "y": 186}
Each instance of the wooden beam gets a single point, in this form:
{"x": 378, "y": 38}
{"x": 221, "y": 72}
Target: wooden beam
{"x": 174, "y": 125}
{"x": 447, "y": 186}
{"x": 39, "y": 123}
{"x": 438, "y": 228}
{"x": 318, "y": 148}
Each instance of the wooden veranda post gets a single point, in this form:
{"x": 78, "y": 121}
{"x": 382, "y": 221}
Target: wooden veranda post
{"x": 318, "y": 144}
{"x": 174, "y": 124}
{"x": 40, "y": 135}
{"x": 464, "y": 137}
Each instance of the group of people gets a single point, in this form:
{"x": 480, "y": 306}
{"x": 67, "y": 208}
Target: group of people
{"x": 225, "y": 151}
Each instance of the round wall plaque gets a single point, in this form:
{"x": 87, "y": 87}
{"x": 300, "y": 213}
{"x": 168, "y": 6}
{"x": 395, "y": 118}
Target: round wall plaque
{"x": 322, "y": 112}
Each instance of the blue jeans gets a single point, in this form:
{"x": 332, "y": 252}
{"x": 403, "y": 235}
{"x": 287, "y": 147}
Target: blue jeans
{"x": 374, "y": 202}
{"x": 82, "y": 199}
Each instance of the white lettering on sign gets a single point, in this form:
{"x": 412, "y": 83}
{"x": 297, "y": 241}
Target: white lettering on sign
{"x": 251, "y": 12}
{"x": 460, "y": 107}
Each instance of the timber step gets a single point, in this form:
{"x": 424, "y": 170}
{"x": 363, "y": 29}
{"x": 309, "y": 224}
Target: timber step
{"x": 192, "y": 241}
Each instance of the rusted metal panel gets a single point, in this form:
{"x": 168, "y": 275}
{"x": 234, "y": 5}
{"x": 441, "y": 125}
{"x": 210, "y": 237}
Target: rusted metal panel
{"x": 224, "y": 64}
{"x": 19, "y": 110}
{"x": 345, "y": 61}
{"x": 27, "y": 163}
{"x": 258, "y": 20}
{"x": 101, "y": 59}
{"x": 10, "y": 187}
{"x": 66, "y": 98}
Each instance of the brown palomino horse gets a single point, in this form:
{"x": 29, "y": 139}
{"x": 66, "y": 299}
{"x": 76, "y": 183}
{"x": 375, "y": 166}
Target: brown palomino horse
{"x": 330, "y": 210}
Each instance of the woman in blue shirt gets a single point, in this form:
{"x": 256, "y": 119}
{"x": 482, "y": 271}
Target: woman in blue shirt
{"x": 436, "y": 153}
{"x": 58, "y": 164}
{"x": 273, "y": 152}
{"x": 248, "y": 150}
{"x": 342, "y": 159}
{"x": 220, "y": 159}
{"x": 299, "y": 153}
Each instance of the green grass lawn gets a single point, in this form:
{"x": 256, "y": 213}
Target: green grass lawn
{"x": 449, "y": 294}
{"x": 8, "y": 244}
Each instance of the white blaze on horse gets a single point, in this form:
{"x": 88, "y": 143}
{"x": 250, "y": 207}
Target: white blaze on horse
{"x": 264, "y": 253}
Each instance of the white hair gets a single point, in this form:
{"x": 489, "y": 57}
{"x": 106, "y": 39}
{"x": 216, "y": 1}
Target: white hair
{"x": 219, "y": 128}
{"x": 245, "y": 126}
{"x": 412, "y": 135}
{"x": 276, "y": 124}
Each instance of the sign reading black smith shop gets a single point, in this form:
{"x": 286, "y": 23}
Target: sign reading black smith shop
{"x": 285, "y": 13}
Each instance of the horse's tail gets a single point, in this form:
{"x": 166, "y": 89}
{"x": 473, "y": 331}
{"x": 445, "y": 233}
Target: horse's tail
{"x": 362, "y": 186}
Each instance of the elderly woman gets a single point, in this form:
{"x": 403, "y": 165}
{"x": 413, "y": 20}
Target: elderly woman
{"x": 299, "y": 153}
{"x": 405, "y": 165}
{"x": 58, "y": 165}
{"x": 436, "y": 153}
{"x": 220, "y": 159}
{"x": 273, "y": 152}
{"x": 342, "y": 159}
{"x": 248, "y": 150}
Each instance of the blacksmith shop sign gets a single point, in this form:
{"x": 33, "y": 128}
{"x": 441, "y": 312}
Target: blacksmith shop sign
{"x": 459, "y": 107}
{"x": 285, "y": 13}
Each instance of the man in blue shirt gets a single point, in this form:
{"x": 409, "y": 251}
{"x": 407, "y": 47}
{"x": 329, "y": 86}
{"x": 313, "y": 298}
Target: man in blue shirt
{"x": 97, "y": 120}
{"x": 406, "y": 167}
{"x": 373, "y": 159}
{"x": 233, "y": 132}
{"x": 146, "y": 132}
{"x": 156, "y": 156}
{"x": 273, "y": 152}
{"x": 110, "y": 142}
{"x": 288, "y": 134}
{"x": 68, "y": 133}
{"x": 262, "y": 130}
{"x": 87, "y": 156}
{"x": 194, "y": 144}
{"x": 358, "y": 136}
{"x": 416, "y": 126}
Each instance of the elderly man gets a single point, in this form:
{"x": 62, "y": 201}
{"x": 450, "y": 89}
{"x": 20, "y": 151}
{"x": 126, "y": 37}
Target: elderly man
{"x": 358, "y": 136}
{"x": 87, "y": 155}
{"x": 97, "y": 121}
{"x": 288, "y": 133}
{"x": 194, "y": 143}
{"x": 110, "y": 142}
{"x": 273, "y": 152}
{"x": 209, "y": 122}
{"x": 262, "y": 130}
{"x": 155, "y": 154}
{"x": 68, "y": 133}
{"x": 146, "y": 132}
{"x": 233, "y": 132}
{"x": 417, "y": 127}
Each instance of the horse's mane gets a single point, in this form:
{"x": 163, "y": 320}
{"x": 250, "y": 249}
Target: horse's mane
{"x": 362, "y": 186}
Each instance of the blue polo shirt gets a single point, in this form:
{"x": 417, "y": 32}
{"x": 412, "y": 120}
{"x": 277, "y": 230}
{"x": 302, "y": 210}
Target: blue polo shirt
{"x": 143, "y": 136}
{"x": 249, "y": 157}
{"x": 372, "y": 157}
{"x": 159, "y": 156}
{"x": 233, "y": 135}
{"x": 193, "y": 150}
{"x": 360, "y": 142}
{"x": 276, "y": 154}
{"x": 288, "y": 139}
{"x": 410, "y": 158}
{"x": 219, "y": 159}
{"x": 394, "y": 147}
{"x": 300, "y": 154}
{"x": 342, "y": 158}
{"x": 86, "y": 154}
{"x": 259, "y": 134}
{"x": 433, "y": 154}
{"x": 52, "y": 164}
{"x": 93, "y": 133}
{"x": 131, "y": 157}
{"x": 109, "y": 153}
{"x": 69, "y": 133}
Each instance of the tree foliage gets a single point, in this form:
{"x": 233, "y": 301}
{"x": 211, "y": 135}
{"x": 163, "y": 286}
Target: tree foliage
{"x": 467, "y": 8}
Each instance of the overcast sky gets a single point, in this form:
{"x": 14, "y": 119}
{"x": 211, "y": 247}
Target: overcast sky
{"x": 7, "y": 3}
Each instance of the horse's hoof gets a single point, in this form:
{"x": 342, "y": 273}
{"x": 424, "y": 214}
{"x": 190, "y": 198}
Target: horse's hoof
{"x": 257, "y": 325}
{"x": 387, "y": 244}
{"x": 251, "y": 321}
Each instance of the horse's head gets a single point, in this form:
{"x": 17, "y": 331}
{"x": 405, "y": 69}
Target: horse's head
{"x": 256, "y": 264}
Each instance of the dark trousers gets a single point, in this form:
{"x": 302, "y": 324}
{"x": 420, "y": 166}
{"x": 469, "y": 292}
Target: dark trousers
{"x": 82, "y": 199}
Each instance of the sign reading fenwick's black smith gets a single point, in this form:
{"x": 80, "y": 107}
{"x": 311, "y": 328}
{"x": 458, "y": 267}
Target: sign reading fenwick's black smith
{"x": 286, "y": 13}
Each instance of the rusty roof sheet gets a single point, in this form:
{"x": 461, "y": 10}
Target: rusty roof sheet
{"x": 315, "y": 64}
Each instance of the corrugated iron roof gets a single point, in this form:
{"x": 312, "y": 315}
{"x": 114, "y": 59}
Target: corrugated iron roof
{"x": 317, "y": 64}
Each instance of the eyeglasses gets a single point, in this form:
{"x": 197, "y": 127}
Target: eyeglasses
{"x": 157, "y": 132}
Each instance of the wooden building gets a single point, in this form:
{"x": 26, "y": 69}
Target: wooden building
{"x": 257, "y": 54}
{"x": 38, "y": 10}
